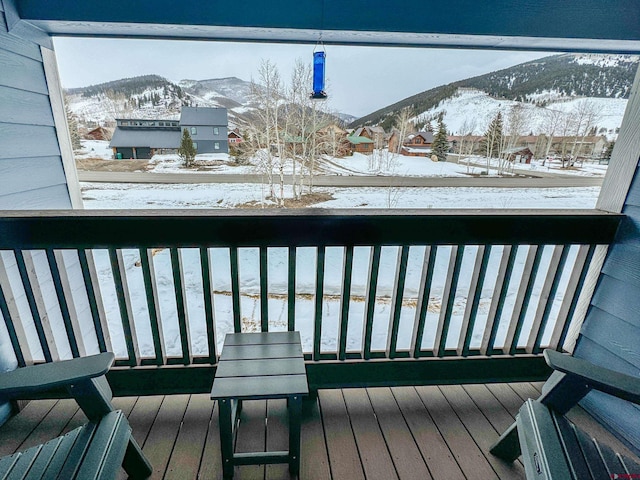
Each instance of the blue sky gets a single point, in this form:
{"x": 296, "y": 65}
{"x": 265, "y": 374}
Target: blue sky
{"x": 360, "y": 80}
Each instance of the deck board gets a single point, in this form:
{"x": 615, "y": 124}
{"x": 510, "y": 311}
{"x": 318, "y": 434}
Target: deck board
{"x": 164, "y": 431}
{"x": 184, "y": 463}
{"x": 407, "y": 433}
{"x": 341, "y": 444}
{"x": 471, "y": 460}
{"x": 20, "y": 427}
{"x": 374, "y": 454}
{"x": 314, "y": 458}
{"x": 403, "y": 449}
{"x": 480, "y": 429}
{"x": 435, "y": 451}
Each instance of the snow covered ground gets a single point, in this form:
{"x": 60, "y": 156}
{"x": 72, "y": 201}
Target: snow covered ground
{"x": 379, "y": 163}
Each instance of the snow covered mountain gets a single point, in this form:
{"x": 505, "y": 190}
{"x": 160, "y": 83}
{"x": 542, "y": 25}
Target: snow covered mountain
{"x": 231, "y": 90}
{"x": 550, "y": 82}
{"x": 152, "y": 96}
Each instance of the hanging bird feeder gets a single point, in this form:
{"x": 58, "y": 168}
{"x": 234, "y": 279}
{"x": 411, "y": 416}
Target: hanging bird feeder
{"x": 318, "y": 75}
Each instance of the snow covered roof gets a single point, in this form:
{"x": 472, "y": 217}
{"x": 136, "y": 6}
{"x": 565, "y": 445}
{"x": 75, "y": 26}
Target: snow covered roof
{"x": 193, "y": 116}
{"x": 413, "y": 149}
{"x": 159, "y": 138}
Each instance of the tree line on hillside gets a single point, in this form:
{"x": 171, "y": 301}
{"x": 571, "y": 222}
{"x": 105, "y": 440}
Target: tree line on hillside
{"x": 559, "y": 73}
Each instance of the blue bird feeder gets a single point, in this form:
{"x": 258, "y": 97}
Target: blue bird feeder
{"x": 318, "y": 76}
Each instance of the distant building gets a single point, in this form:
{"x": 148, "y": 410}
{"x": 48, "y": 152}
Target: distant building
{"x": 360, "y": 144}
{"x": 518, "y": 154}
{"x": 208, "y": 128}
{"x": 142, "y": 139}
{"x": 99, "y": 133}
{"x": 418, "y": 144}
{"x": 234, "y": 137}
{"x": 377, "y": 134}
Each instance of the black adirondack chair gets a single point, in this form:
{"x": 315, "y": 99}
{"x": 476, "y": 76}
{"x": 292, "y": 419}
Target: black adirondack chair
{"x": 552, "y": 447}
{"x": 96, "y": 450}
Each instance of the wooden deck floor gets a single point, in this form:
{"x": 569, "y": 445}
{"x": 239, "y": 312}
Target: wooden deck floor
{"x": 375, "y": 433}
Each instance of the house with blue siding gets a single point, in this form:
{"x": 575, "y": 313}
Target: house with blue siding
{"x": 208, "y": 128}
{"x": 143, "y": 138}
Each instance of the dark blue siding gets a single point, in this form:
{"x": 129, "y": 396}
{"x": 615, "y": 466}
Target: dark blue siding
{"x": 610, "y": 335}
{"x": 31, "y": 170}
{"x": 30, "y": 163}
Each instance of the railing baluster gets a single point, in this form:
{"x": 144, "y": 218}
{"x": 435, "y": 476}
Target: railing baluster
{"x": 181, "y": 305}
{"x": 63, "y": 293}
{"x": 264, "y": 291}
{"x": 27, "y": 270}
{"x": 523, "y": 298}
{"x": 505, "y": 270}
{"x": 345, "y": 302}
{"x": 18, "y": 341}
{"x": 317, "y": 330}
{"x": 547, "y": 296}
{"x": 92, "y": 288}
{"x": 153, "y": 306}
{"x": 124, "y": 304}
{"x": 572, "y": 295}
{"x": 235, "y": 289}
{"x": 423, "y": 299}
{"x": 209, "y": 310}
{"x": 374, "y": 267}
{"x": 449, "y": 292}
{"x": 291, "y": 294}
{"x": 398, "y": 292}
{"x": 471, "y": 309}
{"x": 9, "y": 311}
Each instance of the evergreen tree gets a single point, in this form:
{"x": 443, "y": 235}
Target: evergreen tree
{"x": 187, "y": 152}
{"x": 72, "y": 124}
{"x": 607, "y": 153}
{"x": 493, "y": 138}
{"x": 440, "y": 145}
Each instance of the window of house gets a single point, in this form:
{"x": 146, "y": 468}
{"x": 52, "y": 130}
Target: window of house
{"x": 216, "y": 145}
{"x": 195, "y": 145}
{"x": 194, "y": 131}
{"x": 215, "y": 130}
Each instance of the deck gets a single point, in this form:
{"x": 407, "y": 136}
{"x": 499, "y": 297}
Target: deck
{"x": 374, "y": 433}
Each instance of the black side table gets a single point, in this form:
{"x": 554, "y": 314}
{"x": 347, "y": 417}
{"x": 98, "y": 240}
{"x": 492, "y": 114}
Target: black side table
{"x": 256, "y": 366}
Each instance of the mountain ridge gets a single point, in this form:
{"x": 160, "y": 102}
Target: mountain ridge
{"x": 538, "y": 82}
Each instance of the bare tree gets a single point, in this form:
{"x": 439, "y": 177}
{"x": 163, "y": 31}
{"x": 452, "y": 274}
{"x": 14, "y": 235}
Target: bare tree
{"x": 465, "y": 146}
{"x": 264, "y": 130}
{"x": 586, "y": 114}
{"x": 516, "y": 120}
{"x": 551, "y": 124}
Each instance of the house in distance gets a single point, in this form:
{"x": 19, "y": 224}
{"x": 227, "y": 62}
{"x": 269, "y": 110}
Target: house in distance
{"x": 142, "y": 139}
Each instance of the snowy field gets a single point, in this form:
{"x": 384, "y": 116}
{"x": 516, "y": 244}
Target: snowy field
{"x": 379, "y": 163}
{"x": 117, "y": 196}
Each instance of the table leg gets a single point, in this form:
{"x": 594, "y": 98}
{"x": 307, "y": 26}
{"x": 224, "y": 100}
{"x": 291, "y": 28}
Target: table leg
{"x": 295, "y": 414}
{"x": 226, "y": 436}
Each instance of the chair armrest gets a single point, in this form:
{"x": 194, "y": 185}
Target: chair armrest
{"x": 600, "y": 378}
{"x": 39, "y": 378}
